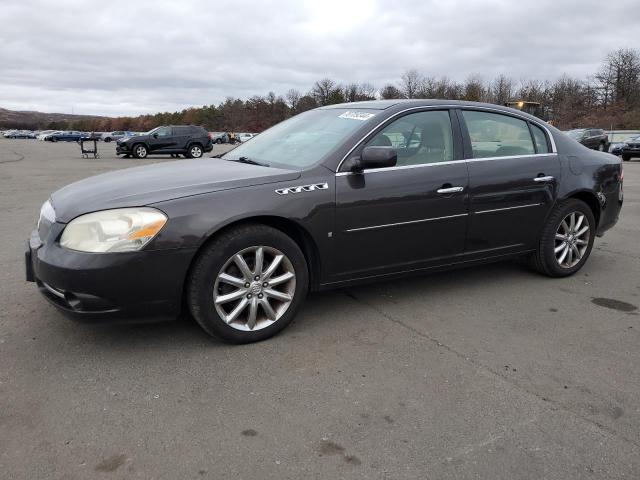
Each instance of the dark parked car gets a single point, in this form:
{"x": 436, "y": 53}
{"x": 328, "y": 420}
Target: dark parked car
{"x": 188, "y": 140}
{"x": 64, "y": 136}
{"x": 331, "y": 197}
{"x": 20, "y": 134}
{"x": 630, "y": 149}
{"x": 594, "y": 138}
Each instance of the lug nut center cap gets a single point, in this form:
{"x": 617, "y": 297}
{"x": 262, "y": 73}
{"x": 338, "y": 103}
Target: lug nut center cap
{"x": 256, "y": 288}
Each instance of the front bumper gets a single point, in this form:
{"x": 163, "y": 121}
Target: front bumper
{"x": 122, "y": 287}
{"x": 123, "y": 148}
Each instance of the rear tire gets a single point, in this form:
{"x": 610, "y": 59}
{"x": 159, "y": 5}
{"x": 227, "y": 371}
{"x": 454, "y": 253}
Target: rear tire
{"x": 564, "y": 245}
{"x": 626, "y": 158}
{"x": 215, "y": 274}
{"x": 108, "y": 139}
{"x": 195, "y": 151}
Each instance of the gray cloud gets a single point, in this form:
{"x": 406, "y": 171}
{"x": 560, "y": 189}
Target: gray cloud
{"x": 130, "y": 57}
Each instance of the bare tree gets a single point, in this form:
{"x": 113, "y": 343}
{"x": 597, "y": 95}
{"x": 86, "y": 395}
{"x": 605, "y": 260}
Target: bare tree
{"x": 293, "y": 97}
{"x": 390, "y": 92}
{"x": 323, "y": 90}
{"x": 411, "y": 82}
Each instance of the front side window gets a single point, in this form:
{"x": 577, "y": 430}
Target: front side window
{"x": 161, "y": 131}
{"x": 418, "y": 138}
{"x": 497, "y": 135}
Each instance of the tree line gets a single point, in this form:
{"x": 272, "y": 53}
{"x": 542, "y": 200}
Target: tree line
{"x": 609, "y": 98}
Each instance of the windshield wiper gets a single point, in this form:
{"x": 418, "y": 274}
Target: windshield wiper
{"x": 248, "y": 161}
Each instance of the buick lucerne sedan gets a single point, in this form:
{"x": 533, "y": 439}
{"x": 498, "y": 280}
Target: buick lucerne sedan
{"x": 331, "y": 197}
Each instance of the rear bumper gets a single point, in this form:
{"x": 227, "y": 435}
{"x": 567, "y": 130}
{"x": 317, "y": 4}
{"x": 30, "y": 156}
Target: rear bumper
{"x": 118, "y": 287}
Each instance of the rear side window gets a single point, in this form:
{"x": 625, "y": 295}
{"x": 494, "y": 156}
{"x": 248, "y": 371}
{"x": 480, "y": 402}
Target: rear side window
{"x": 181, "y": 130}
{"x": 540, "y": 139}
{"x": 496, "y": 135}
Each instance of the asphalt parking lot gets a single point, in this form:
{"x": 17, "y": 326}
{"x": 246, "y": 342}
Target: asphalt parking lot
{"x": 490, "y": 372}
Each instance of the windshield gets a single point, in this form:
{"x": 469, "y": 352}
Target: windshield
{"x": 304, "y": 139}
{"x": 576, "y": 134}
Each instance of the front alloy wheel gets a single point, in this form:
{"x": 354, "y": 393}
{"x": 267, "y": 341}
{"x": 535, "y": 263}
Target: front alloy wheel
{"x": 254, "y": 288}
{"x": 247, "y": 283}
{"x": 140, "y": 151}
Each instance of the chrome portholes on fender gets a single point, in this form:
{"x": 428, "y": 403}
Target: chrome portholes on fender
{"x": 572, "y": 239}
{"x": 302, "y": 188}
{"x": 254, "y": 288}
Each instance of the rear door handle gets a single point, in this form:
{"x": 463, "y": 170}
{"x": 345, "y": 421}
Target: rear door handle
{"x": 548, "y": 178}
{"x": 450, "y": 190}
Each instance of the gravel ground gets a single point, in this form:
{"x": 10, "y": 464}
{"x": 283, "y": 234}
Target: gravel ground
{"x": 489, "y": 372}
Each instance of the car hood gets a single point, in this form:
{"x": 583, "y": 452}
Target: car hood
{"x": 141, "y": 186}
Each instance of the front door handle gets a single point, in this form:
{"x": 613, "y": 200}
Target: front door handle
{"x": 547, "y": 178}
{"x": 450, "y": 190}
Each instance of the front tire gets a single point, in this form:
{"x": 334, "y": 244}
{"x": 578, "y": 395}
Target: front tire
{"x": 247, "y": 284}
{"x": 566, "y": 240}
{"x": 108, "y": 139}
{"x": 140, "y": 151}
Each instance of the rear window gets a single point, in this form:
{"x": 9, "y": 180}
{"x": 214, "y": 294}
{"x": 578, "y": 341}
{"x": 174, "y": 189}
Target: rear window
{"x": 540, "y": 139}
{"x": 497, "y": 135}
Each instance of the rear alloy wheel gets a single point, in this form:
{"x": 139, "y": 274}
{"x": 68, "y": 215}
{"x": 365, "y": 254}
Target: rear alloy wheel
{"x": 195, "y": 151}
{"x": 566, "y": 240}
{"x": 601, "y": 147}
{"x": 140, "y": 151}
{"x": 248, "y": 284}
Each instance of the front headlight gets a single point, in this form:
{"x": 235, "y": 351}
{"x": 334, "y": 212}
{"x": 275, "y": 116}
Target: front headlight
{"x": 119, "y": 230}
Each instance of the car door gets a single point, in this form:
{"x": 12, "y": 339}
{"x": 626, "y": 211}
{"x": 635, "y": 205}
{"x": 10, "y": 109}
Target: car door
{"x": 181, "y": 136}
{"x": 513, "y": 181}
{"x": 160, "y": 139}
{"x": 410, "y": 216}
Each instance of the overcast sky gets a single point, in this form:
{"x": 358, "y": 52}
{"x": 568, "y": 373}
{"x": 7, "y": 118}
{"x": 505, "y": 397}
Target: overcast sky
{"x": 133, "y": 57}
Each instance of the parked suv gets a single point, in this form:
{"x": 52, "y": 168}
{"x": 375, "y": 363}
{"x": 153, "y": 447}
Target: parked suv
{"x": 188, "y": 140}
{"x": 593, "y": 138}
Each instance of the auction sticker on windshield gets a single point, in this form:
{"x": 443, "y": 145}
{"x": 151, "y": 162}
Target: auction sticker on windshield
{"x": 362, "y": 116}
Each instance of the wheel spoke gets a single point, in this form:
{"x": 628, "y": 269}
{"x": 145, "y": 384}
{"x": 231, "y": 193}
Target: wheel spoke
{"x": 253, "y": 314}
{"x": 231, "y": 280}
{"x": 237, "y": 311}
{"x": 569, "y": 256}
{"x": 564, "y": 254}
{"x": 581, "y": 242}
{"x": 268, "y": 310}
{"x": 272, "y": 267}
{"x": 565, "y": 227}
{"x": 242, "y": 265}
{"x": 231, "y": 296}
{"x": 561, "y": 237}
{"x": 579, "y": 222}
{"x": 281, "y": 279}
{"x": 582, "y": 231}
{"x": 576, "y": 252}
{"x": 561, "y": 247}
{"x": 572, "y": 221}
{"x": 259, "y": 261}
{"x": 283, "y": 297}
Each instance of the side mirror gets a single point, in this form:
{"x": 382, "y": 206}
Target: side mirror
{"x": 373, "y": 157}
{"x": 155, "y": 135}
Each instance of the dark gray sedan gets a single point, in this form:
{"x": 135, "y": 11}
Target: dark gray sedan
{"x": 331, "y": 197}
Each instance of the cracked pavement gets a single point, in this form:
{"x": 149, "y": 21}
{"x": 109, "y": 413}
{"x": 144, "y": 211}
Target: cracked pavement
{"x": 486, "y": 372}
